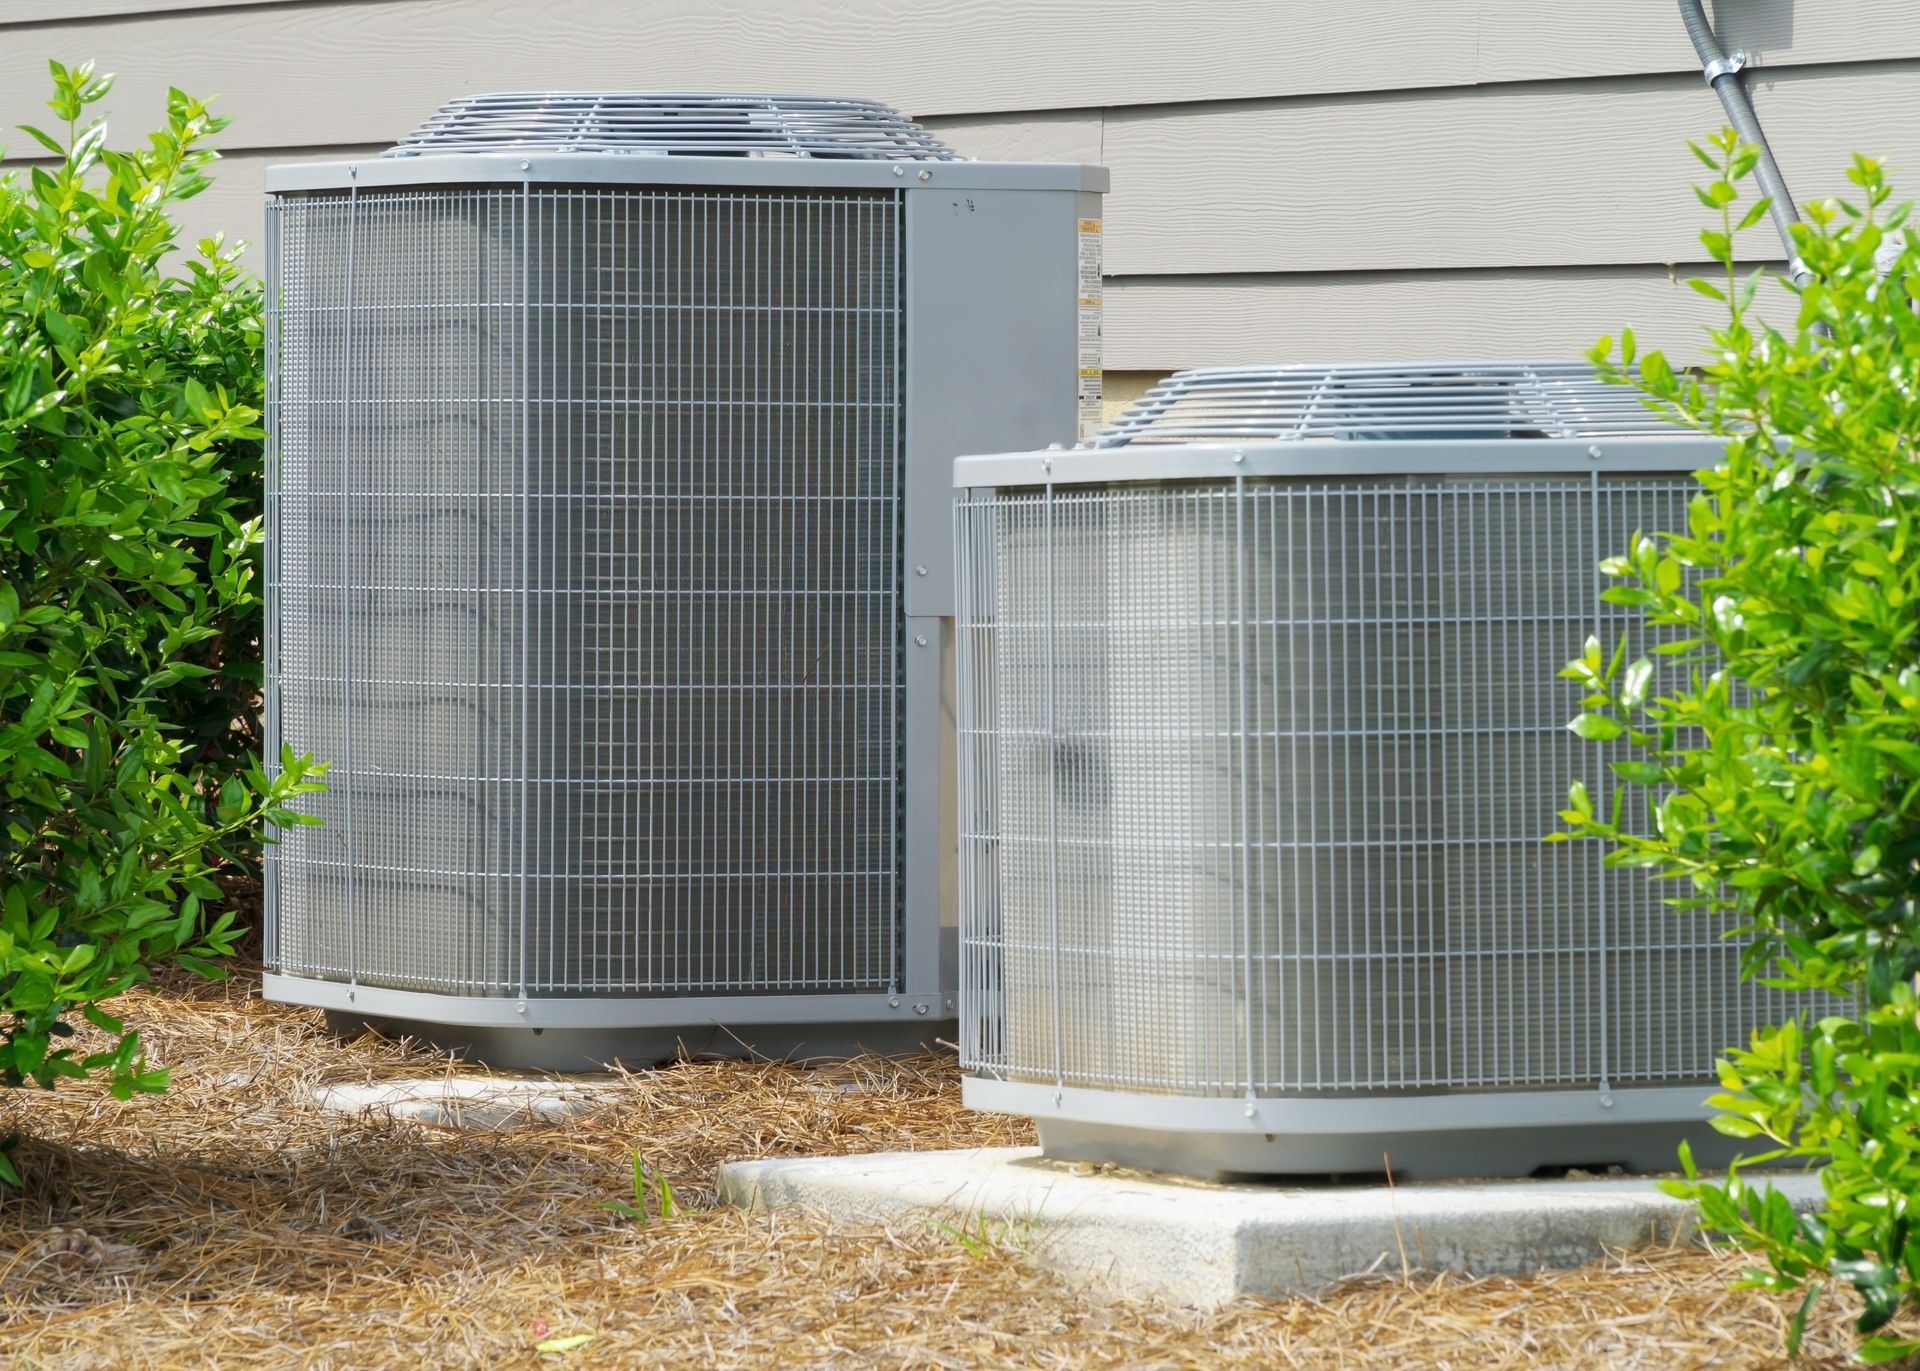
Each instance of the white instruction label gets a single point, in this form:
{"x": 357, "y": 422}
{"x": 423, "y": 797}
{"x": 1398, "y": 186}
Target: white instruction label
{"x": 1090, "y": 300}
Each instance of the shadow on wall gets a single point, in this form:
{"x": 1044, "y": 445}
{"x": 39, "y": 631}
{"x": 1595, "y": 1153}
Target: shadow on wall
{"x": 1759, "y": 27}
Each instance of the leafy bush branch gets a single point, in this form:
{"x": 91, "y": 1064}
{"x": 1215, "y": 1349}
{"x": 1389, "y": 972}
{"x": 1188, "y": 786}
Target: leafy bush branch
{"x": 1775, "y": 731}
{"x": 130, "y": 451}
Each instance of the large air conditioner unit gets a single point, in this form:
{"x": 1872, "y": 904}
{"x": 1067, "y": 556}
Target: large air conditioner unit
{"x": 1261, "y": 730}
{"x": 609, "y": 560}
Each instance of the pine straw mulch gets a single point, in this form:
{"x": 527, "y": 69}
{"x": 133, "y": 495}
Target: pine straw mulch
{"x": 232, "y": 1223}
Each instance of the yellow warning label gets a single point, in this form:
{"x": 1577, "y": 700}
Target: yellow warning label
{"x": 1089, "y": 226}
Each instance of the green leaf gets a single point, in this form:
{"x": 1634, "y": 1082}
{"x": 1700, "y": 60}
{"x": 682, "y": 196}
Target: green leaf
{"x": 199, "y": 403}
{"x": 1634, "y": 684}
{"x": 45, "y": 140}
{"x": 1879, "y": 1351}
{"x": 1755, "y": 213}
{"x": 1597, "y": 727}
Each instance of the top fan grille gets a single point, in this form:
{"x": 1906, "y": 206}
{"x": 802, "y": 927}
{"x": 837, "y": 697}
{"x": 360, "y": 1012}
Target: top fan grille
{"x": 1359, "y": 403}
{"x": 673, "y": 124}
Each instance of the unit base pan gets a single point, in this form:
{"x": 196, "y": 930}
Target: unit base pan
{"x": 586, "y": 1034}
{"x": 1416, "y": 1137}
{"x": 597, "y": 1049}
{"x": 1405, "y": 1156}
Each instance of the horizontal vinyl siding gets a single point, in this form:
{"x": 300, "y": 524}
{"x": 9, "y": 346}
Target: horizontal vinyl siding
{"x": 1164, "y": 323}
{"x": 1535, "y": 174}
{"x": 1292, "y": 179}
{"x": 365, "y": 67}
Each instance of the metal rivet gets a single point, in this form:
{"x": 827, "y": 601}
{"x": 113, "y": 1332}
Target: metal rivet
{"x": 919, "y": 571}
{"x": 1239, "y": 457}
{"x": 894, "y": 1003}
{"x": 920, "y": 640}
{"x": 1594, "y": 453}
{"x": 525, "y": 166}
{"x": 925, "y": 175}
{"x": 919, "y": 1009}
{"x": 1248, "y": 1111}
{"x": 899, "y": 171}
{"x": 1606, "y": 1101}
{"x": 520, "y": 1008}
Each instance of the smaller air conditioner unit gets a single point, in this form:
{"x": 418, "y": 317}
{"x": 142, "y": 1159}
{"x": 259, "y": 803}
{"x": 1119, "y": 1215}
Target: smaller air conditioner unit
{"x": 1260, "y": 733}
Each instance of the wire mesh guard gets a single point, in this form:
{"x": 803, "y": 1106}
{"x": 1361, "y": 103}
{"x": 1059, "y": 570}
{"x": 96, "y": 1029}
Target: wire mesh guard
{"x": 1492, "y": 401}
{"x": 584, "y": 578}
{"x": 672, "y": 124}
{"x": 1255, "y": 777}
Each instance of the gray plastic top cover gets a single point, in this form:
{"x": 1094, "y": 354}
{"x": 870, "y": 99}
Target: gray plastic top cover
{"x": 673, "y": 124}
{"x": 1358, "y": 420}
{"x": 618, "y": 138}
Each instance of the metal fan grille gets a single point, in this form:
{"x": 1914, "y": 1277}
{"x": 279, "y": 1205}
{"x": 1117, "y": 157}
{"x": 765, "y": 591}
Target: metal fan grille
{"x": 673, "y": 124}
{"x": 585, "y": 578}
{"x": 1489, "y": 401}
{"x": 1255, "y": 777}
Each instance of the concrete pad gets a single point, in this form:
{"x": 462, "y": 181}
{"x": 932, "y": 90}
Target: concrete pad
{"x": 465, "y": 1101}
{"x": 1202, "y": 1244}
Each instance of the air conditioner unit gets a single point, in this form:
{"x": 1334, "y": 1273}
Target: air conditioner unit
{"x": 610, "y": 564}
{"x": 1260, "y": 733}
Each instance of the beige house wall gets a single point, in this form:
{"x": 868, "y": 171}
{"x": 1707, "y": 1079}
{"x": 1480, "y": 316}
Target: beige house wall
{"x": 1293, "y": 180}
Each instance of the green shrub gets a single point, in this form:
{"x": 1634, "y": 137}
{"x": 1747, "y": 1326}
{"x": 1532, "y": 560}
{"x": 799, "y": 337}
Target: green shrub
{"x": 129, "y": 480}
{"x": 1777, "y": 736}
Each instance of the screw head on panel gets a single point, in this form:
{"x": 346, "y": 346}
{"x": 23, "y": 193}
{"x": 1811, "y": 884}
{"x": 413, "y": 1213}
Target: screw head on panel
{"x": 925, "y": 175}
{"x": 1606, "y": 1101}
{"x": 899, "y": 171}
{"x": 1593, "y": 453}
{"x": 919, "y": 640}
{"x": 1239, "y": 457}
{"x": 920, "y": 1009}
{"x": 524, "y": 166}
{"x": 919, "y": 571}
{"x": 894, "y": 1003}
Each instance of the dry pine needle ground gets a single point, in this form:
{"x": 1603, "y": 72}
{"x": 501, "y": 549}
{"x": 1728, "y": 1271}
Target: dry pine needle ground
{"x": 232, "y": 1223}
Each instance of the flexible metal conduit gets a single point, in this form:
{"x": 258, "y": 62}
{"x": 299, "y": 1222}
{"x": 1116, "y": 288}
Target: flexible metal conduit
{"x": 1723, "y": 74}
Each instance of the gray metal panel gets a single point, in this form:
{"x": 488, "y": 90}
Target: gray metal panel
{"x": 606, "y": 1011}
{"x": 586, "y": 168}
{"x": 927, "y": 787}
{"x": 1312, "y": 1117}
{"x": 1325, "y": 458}
{"x": 991, "y": 349}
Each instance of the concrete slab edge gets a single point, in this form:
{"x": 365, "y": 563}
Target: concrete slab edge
{"x": 1202, "y": 1245}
